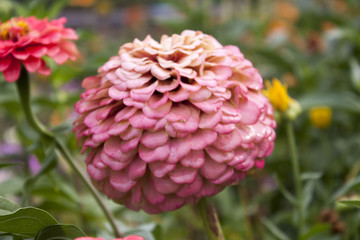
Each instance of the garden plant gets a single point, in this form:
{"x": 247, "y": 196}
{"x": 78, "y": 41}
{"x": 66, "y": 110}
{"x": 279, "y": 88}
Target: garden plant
{"x": 181, "y": 120}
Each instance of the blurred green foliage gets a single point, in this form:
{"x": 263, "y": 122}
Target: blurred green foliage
{"x": 313, "y": 46}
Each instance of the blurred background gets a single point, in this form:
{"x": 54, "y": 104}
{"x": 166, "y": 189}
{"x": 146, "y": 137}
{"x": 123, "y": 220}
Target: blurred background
{"x": 312, "y": 46}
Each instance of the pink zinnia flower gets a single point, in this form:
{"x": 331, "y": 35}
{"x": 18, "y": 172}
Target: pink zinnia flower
{"x": 27, "y": 40}
{"x": 132, "y": 237}
{"x": 169, "y": 123}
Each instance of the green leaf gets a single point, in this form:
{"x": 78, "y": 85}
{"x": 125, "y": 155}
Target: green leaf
{"x": 351, "y": 203}
{"x": 48, "y": 164}
{"x": 8, "y": 205}
{"x": 274, "y": 229}
{"x": 353, "y": 183}
{"x": 316, "y": 229}
{"x": 355, "y": 73}
{"x": 311, "y": 175}
{"x": 285, "y": 192}
{"x": 26, "y": 222}
{"x": 2, "y": 165}
{"x": 60, "y": 232}
{"x": 308, "y": 193}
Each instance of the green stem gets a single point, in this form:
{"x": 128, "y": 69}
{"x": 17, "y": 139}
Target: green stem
{"x": 210, "y": 219}
{"x": 23, "y": 88}
{"x": 296, "y": 173}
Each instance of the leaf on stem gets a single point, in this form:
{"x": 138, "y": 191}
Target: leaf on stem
{"x": 7, "y": 205}
{"x": 48, "y": 164}
{"x": 274, "y": 229}
{"x": 351, "y": 203}
{"x": 285, "y": 192}
{"x": 352, "y": 184}
{"x": 60, "y": 231}
{"x": 26, "y": 222}
{"x": 316, "y": 229}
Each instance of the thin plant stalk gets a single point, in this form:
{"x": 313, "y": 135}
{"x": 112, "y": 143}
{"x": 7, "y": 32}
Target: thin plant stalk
{"x": 296, "y": 173}
{"x": 23, "y": 88}
{"x": 210, "y": 219}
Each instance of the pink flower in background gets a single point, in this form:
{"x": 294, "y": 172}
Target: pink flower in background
{"x": 28, "y": 40}
{"x": 169, "y": 123}
{"x": 132, "y": 237}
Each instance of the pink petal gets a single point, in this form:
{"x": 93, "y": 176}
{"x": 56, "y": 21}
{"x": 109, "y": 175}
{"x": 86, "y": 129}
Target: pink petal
{"x": 36, "y": 51}
{"x": 125, "y": 113}
{"x": 139, "y": 120}
{"x": 249, "y": 111}
{"x": 202, "y": 138}
{"x": 183, "y": 175}
{"x": 160, "y": 169}
{"x": 210, "y": 120}
{"x": 228, "y": 142}
{"x": 121, "y": 182}
{"x": 159, "y": 112}
{"x": 179, "y": 148}
{"x": 211, "y": 169}
{"x": 188, "y": 190}
{"x": 112, "y": 148}
{"x": 136, "y": 169}
{"x": 130, "y": 133}
{"x": 20, "y": 54}
{"x": 164, "y": 185}
{"x": 154, "y": 139}
{"x": 171, "y": 203}
{"x": 98, "y": 174}
{"x": 5, "y": 62}
{"x": 44, "y": 70}
{"x": 117, "y": 94}
{"x": 194, "y": 159}
{"x": 156, "y": 101}
{"x": 143, "y": 94}
{"x": 118, "y": 128}
{"x": 150, "y": 193}
{"x": 159, "y": 73}
{"x": 218, "y": 155}
{"x": 12, "y": 73}
{"x": 224, "y": 177}
{"x": 157, "y": 154}
{"x": 32, "y": 64}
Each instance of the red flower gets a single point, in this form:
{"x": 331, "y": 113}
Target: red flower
{"x": 27, "y": 40}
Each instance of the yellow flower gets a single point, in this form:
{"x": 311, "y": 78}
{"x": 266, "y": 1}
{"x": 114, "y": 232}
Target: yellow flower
{"x": 277, "y": 94}
{"x": 280, "y": 100}
{"x": 320, "y": 117}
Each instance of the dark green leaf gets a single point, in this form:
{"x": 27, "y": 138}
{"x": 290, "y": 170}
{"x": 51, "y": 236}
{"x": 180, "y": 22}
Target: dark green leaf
{"x": 316, "y": 229}
{"x": 60, "y": 231}
{"x": 285, "y": 192}
{"x": 355, "y": 73}
{"x": 26, "y": 222}
{"x": 274, "y": 229}
{"x": 48, "y": 164}
{"x": 2, "y": 165}
{"x": 353, "y": 183}
{"x": 311, "y": 175}
{"x": 8, "y": 205}
{"x": 352, "y": 203}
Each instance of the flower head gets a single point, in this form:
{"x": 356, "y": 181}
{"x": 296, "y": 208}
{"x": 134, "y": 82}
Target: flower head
{"x": 280, "y": 100}
{"x": 169, "y": 123}
{"x": 28, "y": 40}
{"x": 320, "y": 117}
